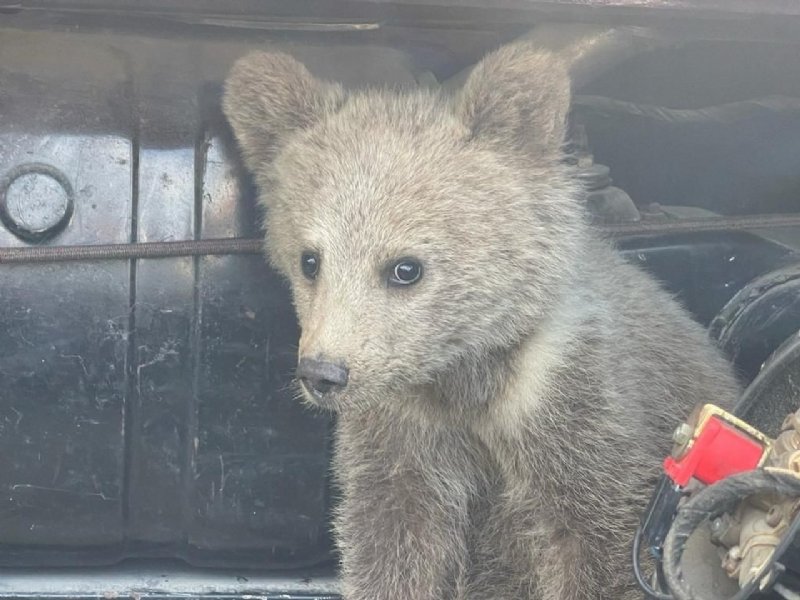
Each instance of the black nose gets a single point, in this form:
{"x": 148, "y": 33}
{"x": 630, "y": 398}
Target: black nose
{"x": 320, "y": 376}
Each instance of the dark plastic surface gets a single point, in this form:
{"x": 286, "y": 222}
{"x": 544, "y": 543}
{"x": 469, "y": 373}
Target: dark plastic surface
{"x": 735, "y": 160}
{"x": 704, "y": 271}
{"x": 759, "y": 318}
{"x": 774, "y": 393}
{"x": 146, "y": 406}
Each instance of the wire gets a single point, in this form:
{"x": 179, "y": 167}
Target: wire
{"x": 786, "y": 592}
{"x": 637, "y": 570}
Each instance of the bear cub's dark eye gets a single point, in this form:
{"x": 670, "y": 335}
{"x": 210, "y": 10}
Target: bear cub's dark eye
{"x": 309, "y": 263}
{"x": 405, "y": 272}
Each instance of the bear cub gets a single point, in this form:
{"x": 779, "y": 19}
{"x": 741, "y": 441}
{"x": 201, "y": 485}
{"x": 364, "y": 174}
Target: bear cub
{"x": 505, "y": 384}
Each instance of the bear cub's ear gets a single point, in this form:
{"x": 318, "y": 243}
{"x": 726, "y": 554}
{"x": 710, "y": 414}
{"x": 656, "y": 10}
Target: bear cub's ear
{"x": 270, "y": 95}
{"x": 517, "y": 98}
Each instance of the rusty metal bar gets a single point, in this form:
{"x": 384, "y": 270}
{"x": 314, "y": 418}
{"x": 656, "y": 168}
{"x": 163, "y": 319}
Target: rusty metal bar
{"x": 39, "y": 254}
{"x": 738, "y": 223}
{"x": 227, "y": 246}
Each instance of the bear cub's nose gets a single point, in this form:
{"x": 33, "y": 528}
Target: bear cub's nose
{"x": 321, "y": 377}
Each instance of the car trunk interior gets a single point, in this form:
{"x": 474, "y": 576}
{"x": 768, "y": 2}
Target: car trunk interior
{"x": 150, "y": 441}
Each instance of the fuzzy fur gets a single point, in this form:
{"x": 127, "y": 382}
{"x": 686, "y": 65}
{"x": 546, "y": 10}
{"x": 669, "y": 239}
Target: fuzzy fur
{"x": 505, "y": 416}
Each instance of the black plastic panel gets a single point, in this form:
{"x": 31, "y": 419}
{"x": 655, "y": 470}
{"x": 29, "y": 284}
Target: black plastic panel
{"x": 704, "y": 271}
{"x": 62, "y": 397}
{"x": 146, "y": 407}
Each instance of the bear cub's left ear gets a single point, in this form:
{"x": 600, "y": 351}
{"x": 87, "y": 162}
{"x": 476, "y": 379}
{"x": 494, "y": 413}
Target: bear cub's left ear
{"x": 267, "y": 97}
{"x": 517, "y": 99}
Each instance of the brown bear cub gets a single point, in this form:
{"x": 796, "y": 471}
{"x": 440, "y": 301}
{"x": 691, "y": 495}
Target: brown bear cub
{"x": 505, "y": 384}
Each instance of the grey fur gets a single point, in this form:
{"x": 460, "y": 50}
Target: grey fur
{"x": 505, "y": 417}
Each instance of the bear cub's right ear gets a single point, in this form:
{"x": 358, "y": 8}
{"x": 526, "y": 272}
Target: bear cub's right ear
{"x": 270, "y": 95}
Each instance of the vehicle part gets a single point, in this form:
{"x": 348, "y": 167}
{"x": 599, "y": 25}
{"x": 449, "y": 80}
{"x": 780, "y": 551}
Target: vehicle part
{"x": 774, "y": 389}
{"x": 728, "y": 482}
{"x": 759, "y": 318}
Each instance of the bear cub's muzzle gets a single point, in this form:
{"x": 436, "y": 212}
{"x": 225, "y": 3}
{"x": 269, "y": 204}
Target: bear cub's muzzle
{"x": 321, "y": 379}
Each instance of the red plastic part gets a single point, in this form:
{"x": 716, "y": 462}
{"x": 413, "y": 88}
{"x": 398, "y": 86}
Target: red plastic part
{"x": 719, "y": 451}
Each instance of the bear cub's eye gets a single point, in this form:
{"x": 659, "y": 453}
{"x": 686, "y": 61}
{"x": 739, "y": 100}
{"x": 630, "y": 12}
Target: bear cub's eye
{"x": 309, "y": 263}
{"x": 406, "y": 271}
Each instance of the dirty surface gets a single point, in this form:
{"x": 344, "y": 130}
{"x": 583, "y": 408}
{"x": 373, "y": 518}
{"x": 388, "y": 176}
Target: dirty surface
{"x": 146, "y": 406}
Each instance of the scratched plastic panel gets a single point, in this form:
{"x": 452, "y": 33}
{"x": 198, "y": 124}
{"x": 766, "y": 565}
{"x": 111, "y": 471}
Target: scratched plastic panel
{"x": 260, "y": 462}
{"x": 146, "y": 407}
{"x": 62, "y": 385}
{"x": 64, "y": 327}
{"x": 65, "y": 143}
{"x": 164, "y": 352}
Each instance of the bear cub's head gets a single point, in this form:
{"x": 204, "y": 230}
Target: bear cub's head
{"x": 419, "y": 231}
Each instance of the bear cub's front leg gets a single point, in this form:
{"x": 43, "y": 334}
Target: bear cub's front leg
{"x": 403, "y": 520}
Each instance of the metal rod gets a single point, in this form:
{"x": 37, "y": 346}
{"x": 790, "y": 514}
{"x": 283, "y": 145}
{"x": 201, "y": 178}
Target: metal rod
{"x": 226, "y": 246}
{"x": 38, "y": 254}
{"x": 741, "y": 223}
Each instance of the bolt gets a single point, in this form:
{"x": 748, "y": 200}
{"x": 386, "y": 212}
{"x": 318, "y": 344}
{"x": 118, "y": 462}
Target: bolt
{"x": 794, "y": 462}
{"x": 682, "y": 434}
{"x": 730, "y": 563}
{"x": 774, "y": 516}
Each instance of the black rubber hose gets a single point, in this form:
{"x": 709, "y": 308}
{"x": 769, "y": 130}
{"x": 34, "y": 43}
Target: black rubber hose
{"x": 714, "y": 500}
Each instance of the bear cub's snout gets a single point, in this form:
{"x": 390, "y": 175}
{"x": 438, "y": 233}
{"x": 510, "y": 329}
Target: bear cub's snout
{"x": 321, "y": 378}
